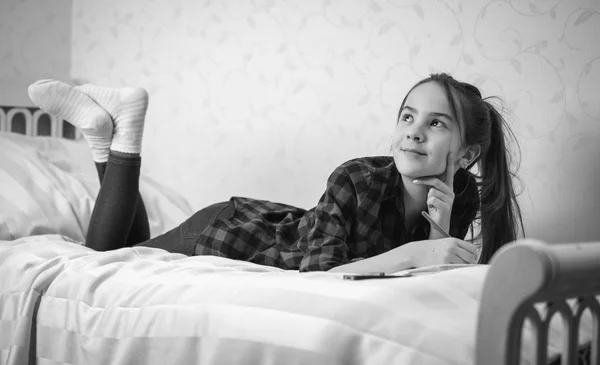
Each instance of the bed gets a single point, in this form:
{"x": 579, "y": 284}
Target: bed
{"x": 63, "y": 303}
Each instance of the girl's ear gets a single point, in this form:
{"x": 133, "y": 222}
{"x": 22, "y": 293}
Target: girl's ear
{"x": 469, "y": 155}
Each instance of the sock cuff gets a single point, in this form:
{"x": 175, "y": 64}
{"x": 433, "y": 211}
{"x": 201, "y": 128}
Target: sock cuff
{"x": 127, "y": 143}
{"x": 124, "y": 158}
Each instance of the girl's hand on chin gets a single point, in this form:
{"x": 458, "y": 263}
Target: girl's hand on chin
{"x": 440, "y": 196}
{"x": 443, "y": 251}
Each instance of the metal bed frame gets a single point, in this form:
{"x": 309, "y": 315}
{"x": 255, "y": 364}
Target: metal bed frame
{"x": 563, "y": 279}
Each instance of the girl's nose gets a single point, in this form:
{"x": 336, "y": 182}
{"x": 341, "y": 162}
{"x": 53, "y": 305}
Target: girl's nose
{"x": 414, "y": 135}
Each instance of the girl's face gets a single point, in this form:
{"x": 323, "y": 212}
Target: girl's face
{"x": 426, "y": 133}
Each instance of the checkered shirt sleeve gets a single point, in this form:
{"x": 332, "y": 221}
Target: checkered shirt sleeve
{"x": 334, "y": 216}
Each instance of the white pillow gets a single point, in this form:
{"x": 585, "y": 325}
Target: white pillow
{"x": 49, "y": 185}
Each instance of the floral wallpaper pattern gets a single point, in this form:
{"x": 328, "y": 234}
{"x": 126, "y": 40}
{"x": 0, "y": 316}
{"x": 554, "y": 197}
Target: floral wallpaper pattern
{"x": 264, "y": 98}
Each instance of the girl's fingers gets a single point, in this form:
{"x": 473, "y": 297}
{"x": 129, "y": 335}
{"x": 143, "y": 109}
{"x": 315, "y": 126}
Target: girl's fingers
{"x": 465, "y": 256}
{"x": 435, "y": 183}
{"x": 467, "y": 246}
{"x": 462, "y": 259}
{"x": 456, "y": 257}
{"x": 433, "y": 202}
{"x": 441, "y": 196}
{"x": 470, "y": 257}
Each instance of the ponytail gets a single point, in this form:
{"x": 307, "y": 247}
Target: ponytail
{"x": 500, "y": 213}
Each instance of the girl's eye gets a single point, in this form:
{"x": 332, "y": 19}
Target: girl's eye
{"x": 406, "y": 117}
{"x": 436, "y": 123}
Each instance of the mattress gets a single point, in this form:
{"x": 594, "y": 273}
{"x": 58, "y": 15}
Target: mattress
{"x": 63, "y": 303}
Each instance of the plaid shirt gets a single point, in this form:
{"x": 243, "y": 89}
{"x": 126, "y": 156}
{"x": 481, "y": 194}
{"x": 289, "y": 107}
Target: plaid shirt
{"x": 360, "y": 215}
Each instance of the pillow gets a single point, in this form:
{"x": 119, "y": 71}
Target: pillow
{"x": 49, "y": 185}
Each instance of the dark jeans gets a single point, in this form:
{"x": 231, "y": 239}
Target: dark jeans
{"x": 183, "y": 239}
{"x": 119, "y": 218}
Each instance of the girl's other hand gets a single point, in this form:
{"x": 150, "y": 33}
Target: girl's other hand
{"x": 440, "y": 196}
{"x": 443, "y": 251}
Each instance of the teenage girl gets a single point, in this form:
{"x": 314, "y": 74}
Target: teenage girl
{"x": 368, "y": 219}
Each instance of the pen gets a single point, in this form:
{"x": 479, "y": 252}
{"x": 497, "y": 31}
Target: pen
{"x": 435, "y": 225}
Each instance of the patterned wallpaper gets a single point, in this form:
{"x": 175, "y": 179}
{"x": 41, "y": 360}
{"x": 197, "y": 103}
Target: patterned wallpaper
{"x": 35, "y": 42}
{"x": 264, "y": 98}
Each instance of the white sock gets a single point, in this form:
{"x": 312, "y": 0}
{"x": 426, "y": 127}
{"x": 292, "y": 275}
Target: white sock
{"x": 69, "y": 104}
{"x": 127, "y": 106}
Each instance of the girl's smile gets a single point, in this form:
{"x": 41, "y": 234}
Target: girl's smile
{"x": 413, "y": 152}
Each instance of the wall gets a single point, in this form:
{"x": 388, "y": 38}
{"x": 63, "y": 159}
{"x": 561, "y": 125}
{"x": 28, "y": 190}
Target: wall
{"x": 265, "y": 97}
{"x": 35, "y": 42}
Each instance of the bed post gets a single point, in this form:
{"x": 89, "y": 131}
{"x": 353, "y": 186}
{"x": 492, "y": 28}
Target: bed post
{"x": 528, "y": 272}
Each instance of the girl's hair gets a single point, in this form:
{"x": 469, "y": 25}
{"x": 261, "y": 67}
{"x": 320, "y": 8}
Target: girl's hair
{"x": 481, "y": 124}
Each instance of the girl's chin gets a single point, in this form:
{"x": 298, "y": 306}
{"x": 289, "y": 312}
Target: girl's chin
{"x": 410, "y": 175}
{"x": 417, "y": 171}
{"x": 418, "y": 174}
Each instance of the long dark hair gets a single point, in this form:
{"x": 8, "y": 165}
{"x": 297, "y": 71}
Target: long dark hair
{"x": 481, "y": 124}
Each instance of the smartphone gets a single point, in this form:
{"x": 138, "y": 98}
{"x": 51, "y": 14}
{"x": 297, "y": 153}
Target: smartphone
{"x": 377, "y": 275}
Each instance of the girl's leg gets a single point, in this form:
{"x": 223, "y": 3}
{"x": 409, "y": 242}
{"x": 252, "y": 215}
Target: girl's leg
{"x": 116, "y": 204}
{"x": 140, "y": 228}
{"x": 119, "y": 218}
{"x": 121, "y": 180}
{"x": 183, "y": 239}
{"x": 117, "y": 200}
{"x": 110, "y": 100}
{"x": 118, "y": 211}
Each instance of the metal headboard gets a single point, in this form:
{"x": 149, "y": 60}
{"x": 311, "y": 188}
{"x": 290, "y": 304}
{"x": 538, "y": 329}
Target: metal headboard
{"x": 33, "y": 121}
{"x": 521, "y": 276}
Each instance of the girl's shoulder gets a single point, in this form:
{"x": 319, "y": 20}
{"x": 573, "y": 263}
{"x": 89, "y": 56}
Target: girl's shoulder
{"x": 369, "y": 170}
{"x": 370, "y": 162}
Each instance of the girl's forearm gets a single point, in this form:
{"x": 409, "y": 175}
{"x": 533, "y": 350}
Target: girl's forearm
{"x": 400, "y": 258}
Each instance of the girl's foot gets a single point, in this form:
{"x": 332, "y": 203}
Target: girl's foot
{"x": 69, "y": 104}
{"x": 127, "y": 107}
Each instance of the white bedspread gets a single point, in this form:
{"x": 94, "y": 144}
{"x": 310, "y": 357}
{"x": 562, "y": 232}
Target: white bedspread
{"x": 62, "y": 303}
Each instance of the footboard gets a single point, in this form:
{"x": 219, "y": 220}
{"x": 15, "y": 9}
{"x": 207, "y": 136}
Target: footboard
{"x": 562, "y": 279}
